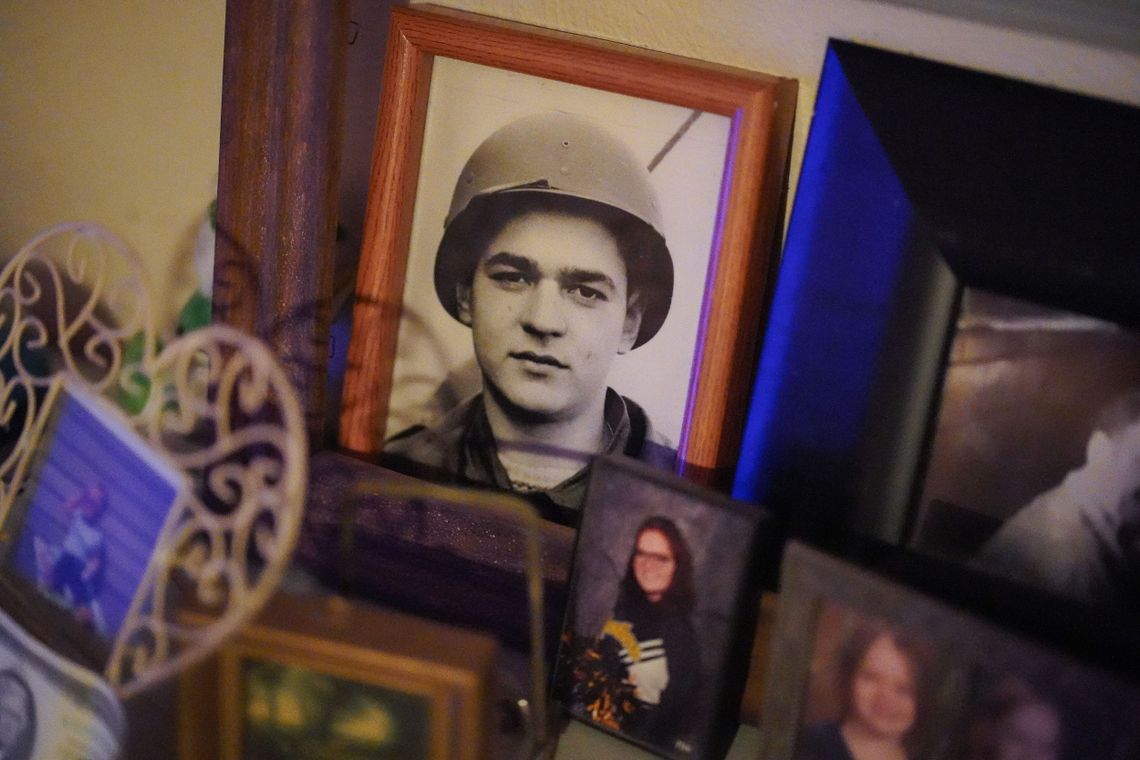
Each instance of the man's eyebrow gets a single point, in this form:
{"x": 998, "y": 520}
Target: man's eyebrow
{"x": 590, "y": 276}
{"x": 503, "y": 258}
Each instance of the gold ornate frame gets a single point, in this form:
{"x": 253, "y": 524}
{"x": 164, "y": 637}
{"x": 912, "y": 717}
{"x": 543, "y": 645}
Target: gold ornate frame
{"x": 448, "y": 667}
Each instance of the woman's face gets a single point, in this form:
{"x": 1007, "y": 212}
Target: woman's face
{"x": 1031, "y": 732}
{"x": 882, "y": 691}
{"x": 653, "y": 564}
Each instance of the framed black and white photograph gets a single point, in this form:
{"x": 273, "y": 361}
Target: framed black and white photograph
{"x": 482, "y": 352}
{"x": 81, "y": 535}
{"x": 659, "y": 610}
{"x": 955, "y": 323}
{"x": 861, "y": 665}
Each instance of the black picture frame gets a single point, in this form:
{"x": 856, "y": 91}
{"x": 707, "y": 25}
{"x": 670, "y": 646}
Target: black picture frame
{"x": 919, "y": 179}
{"x": 827, "y": 602}
{"x": 727, "y": 543}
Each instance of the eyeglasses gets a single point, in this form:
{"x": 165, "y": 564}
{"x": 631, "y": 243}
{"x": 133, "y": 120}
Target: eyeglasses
{"x": 652, "y": 558}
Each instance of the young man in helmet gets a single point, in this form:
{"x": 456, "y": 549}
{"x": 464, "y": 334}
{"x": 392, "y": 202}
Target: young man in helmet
{"x": 553, "y": 255}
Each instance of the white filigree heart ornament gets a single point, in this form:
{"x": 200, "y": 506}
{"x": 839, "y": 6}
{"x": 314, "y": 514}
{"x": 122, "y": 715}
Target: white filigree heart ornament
{"x": 76, "y": 307}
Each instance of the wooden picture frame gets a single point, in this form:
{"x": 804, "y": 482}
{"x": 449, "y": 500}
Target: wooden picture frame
{"x": 965, "y": 676}
{"x": 922, "y": 180}
{"x": 426, "y": 684}
{"x": 758, "y": 109}
{"x": 662, "y": 610}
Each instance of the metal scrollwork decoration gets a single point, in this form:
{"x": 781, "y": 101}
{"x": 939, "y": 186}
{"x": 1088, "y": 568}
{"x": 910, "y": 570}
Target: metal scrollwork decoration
{"x": 213, "y": 402}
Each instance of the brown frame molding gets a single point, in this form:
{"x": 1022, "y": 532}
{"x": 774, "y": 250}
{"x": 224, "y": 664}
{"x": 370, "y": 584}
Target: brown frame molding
{"x": 278, "y": 169}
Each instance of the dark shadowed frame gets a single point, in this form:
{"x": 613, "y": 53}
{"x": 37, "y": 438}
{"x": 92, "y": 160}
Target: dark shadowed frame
{"x": 921, "y": 179}
{"x": 429, "y": 680}
{"x": 969, "y": 650}
{"x": 729, "y": 543}
{"x": 760, "y": 108}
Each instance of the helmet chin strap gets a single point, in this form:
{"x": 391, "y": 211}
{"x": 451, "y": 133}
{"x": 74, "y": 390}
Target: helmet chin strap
{"x": 673, "y": 140}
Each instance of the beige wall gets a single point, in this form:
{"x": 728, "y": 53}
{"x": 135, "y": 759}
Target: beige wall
{"x": 109, "y": 109}
{"x": 109, "y": 112}
{"x": 788, "y": 37}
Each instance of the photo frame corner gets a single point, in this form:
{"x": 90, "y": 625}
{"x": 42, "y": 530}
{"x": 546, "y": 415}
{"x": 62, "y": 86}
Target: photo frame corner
{"x": 918, "y": 249}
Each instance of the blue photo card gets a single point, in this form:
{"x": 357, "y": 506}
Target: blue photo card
{"x": 95, "y": 501}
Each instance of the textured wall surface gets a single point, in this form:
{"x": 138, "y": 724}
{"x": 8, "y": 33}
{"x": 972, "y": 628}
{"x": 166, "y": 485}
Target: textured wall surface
{"x": 788, "y": 37}
{"x": 109, "y": 112}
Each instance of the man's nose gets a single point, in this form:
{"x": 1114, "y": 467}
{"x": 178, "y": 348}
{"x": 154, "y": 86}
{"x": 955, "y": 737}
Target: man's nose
{"x": 544, "y": 313}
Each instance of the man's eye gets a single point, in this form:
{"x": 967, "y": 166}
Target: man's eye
{"x": 508, "y": 277}
{"x": 586, "y": 293}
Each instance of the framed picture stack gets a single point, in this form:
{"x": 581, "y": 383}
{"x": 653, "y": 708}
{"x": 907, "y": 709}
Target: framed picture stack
{"x": 320, "y": 676}
{"x": 944, "y": 419}
{"x": 566, "y": 293}
{"x": 952, "y": 352}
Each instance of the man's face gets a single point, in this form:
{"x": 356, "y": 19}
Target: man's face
{"x": 548, "y": 310}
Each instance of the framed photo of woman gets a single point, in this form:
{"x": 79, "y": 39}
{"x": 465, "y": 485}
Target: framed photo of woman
{"x": 656, "y": 616}
{"x": 863, "y": 666}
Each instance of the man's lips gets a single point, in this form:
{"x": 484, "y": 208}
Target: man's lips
{"x": 530, "y": 356}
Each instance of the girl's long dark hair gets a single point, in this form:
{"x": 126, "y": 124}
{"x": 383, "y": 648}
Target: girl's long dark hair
{"x": 680, "y": 595}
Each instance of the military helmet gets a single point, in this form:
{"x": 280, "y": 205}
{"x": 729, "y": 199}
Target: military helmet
{"x": 558, "y": 156}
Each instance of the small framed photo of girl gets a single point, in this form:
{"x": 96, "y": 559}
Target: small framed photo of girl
{"x": 871, "y": 690}
{"x": 659, "y": 610}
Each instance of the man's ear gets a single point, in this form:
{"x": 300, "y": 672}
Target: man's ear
{"x": 463, "y": 303}
{"x": 632, "y": 324}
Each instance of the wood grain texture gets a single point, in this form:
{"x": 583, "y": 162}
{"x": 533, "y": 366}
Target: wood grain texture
{"x": 283, "y": 73}
{"x": 761, "y": 108}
